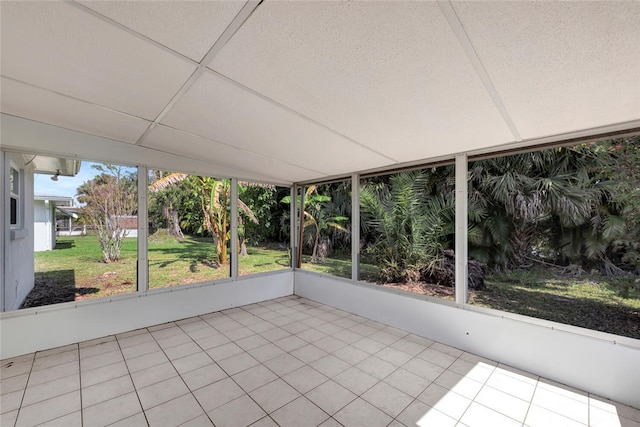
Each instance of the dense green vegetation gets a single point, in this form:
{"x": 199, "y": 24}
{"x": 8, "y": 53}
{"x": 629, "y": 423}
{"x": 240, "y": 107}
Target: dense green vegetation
{"x": 562, "y": 206}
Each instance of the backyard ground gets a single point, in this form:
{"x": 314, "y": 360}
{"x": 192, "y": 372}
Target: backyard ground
{"x": 590, "y": 301}
{"x": 74, "y": 271}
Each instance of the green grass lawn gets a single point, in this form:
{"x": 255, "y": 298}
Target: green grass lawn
{"x": 340, "y": 265}
{"x": 591, "y": 301}
{"x": 75, "y": 270}
{"x": 76, "y": 266}
{"x": 173, "y": 262}
{"x": 263, "y": 258}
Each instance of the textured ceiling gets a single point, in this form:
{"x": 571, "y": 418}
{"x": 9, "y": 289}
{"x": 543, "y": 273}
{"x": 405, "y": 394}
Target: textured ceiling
{"x": 295, "y": 91}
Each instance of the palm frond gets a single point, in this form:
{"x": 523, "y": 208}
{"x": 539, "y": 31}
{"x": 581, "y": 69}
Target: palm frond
{"x": 247, "y": 211}
{"x": 167, "y": 181}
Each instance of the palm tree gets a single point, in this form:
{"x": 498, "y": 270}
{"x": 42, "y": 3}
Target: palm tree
{"x": 409, "y": 223}
{"x": 167, "y": 198}
{"x": 538, "y": 199}
{"x": 213, "y": 196}
{"x": 316, "y": 216}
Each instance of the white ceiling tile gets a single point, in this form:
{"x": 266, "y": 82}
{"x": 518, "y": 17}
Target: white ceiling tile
{"x": 247, "y": 165}
{"x": 37, "y": 104}
{"x": 389, "y": 74}
{"x": 216, "y": 109}
{"x": 59, "y": 47}
{"x": 559, "y": 66}
{"x": 188, "y": 27}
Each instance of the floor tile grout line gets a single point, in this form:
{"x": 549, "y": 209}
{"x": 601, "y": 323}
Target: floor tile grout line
{"x": 42, "y": 401}
{"x": 278, "y": 377}
{"x": 179, "y": 375}
{"x": 246, "y": 393}
{"x": 80, "y": 384}
{"x": 485, "y": 384}
{"x": 476, "y": 395}
{"x": 531, "y": 402}
{"x": 282, "y": 379}
{"x": 132, "y": 383}
{"x": 561, "y": 414}
{"x": 24, "y": 392}
{"x": 434, "y": 382}
{"x": 42, "y": 384}
{"x": 351, "y": 365}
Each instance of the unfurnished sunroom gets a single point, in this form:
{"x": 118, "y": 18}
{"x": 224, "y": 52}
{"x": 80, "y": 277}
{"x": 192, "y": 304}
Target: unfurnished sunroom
{"x": 386, "y": 213}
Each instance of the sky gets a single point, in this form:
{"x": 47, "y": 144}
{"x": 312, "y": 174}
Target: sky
{"x": 65, "y": 185}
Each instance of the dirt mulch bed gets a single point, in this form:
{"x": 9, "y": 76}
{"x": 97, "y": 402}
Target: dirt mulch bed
{"x": 48, "y": 291}
{"x": 430, "y": 289}
{"x": 55, "y": 289}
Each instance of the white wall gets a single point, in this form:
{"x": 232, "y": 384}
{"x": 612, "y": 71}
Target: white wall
{"x": 40, "y": 328}
{"x": 43, "y": 235}
{"x": 132, "y": 233}
{"x": 18, "y": 276}
{"x": 596, "y": 365}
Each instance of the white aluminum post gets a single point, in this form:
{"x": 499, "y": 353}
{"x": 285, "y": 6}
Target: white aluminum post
{"x": 234, "y": 228}
{"x": 143, "y": 229}
{"x": 355, "y": 227}
{"x": 293, "y": 215}
{"x": 4, "y": 227}
{"x": 461, "y": 229}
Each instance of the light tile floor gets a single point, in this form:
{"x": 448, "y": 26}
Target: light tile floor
{"x": 287, "y": 362}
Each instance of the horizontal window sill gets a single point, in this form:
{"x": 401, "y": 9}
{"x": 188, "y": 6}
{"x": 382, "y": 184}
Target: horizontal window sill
{"x": 19, "y": 233}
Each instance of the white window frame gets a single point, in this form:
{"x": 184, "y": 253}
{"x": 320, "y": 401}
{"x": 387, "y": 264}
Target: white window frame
{"x": 15, "y": 193}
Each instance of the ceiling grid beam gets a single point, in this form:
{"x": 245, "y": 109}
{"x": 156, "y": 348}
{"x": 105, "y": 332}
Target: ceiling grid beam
{"x": 456, "y": 26}
{"x": 231, "y": 29}
{"x": 84, "y": 101}
{"x": 242, "y": 16}
{"x": 128, "y": 30}
{"x": 298, "y": 114}
{"x": 244, "y": 150}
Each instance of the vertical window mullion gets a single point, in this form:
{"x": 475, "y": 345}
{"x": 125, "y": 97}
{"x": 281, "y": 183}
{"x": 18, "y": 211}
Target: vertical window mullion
{"x": 143, "y": 229}
{"x": 461, "y": 237}
{"x": 355, "y": 227}
{"x": 234, "y": 228}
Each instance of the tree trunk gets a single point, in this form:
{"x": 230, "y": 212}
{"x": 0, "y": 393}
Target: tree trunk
{"x": 314, "y": 254}
{"x": 174, "y": 224}
{"x": 243, "y": 246}
{"x": 221, "y": 248}
{"x": 610, "y": 269}
{"x": 445, "y": 274}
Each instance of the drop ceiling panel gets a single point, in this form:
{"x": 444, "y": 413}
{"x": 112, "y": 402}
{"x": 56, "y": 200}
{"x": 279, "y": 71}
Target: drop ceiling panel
{"x": 187, "y": 27}
{"x": 216, "y": 109}
{"x": 59, "y": 47}
{"x": 559, "y": 66}
{"x": 37, "y": 104}
{"x": 246, "y": 165}
{"x": 391, "y": 75}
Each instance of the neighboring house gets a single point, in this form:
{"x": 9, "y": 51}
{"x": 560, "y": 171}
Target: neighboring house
{"x": 18, "y": 196}
{"x": 67, "y": 223}
{"x": 49, "y": 211}
{"x": 129, "y": 223}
